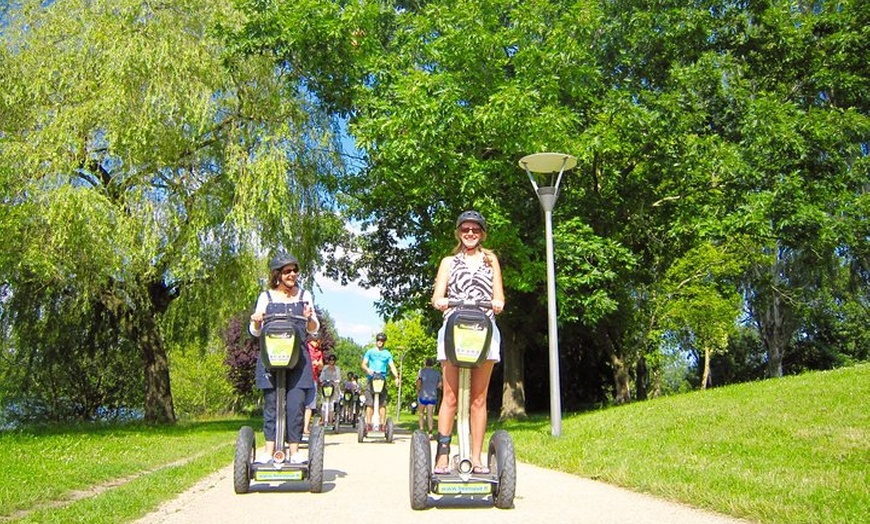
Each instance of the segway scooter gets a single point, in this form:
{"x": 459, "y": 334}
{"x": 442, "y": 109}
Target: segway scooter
{"x": 349, "y": 407}
{"x": 378, "y": 385}
{"x": 280, "y": 352}
{"x": 328, "y": 409}
{"x": 466, "y": 342}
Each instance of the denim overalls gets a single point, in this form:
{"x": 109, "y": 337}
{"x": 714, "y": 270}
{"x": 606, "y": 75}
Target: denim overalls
{"x": 300, "y": 381}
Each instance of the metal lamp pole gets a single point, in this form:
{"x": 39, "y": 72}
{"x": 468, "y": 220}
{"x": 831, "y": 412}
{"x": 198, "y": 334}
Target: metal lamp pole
{"x": 550, "y": 163}
{"x": 401, "y": 380}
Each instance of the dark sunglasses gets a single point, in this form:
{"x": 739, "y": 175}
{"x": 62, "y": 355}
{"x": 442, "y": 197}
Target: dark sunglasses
{"x": 469, "y": 229}
{"x": 290, "y": 270}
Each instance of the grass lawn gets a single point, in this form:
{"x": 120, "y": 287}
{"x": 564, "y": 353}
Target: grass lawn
{"x": 107, "y": 473}
{"x": 792, "y": 450}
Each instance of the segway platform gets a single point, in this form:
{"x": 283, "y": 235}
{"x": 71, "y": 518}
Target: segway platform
{"x": 468, "y": 333}
{"x": 456, "y": 484}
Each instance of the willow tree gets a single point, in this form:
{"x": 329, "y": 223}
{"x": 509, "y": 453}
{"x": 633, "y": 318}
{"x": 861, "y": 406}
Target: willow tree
{"x": 142, "y": 162}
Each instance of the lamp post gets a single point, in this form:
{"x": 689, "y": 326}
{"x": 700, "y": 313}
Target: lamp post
{"x": 401, "y": 380}
{"x": 551, "y": 166}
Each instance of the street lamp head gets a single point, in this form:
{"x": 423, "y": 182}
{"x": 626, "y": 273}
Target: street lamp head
{"x": 548, "y": 162}
{"x": 551, "y": 166}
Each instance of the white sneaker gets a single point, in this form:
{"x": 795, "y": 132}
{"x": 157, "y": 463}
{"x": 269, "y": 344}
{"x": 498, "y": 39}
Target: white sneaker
{"x": 297, "y": 459}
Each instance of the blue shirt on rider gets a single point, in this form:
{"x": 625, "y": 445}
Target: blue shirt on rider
{"x": 378, "y": 360}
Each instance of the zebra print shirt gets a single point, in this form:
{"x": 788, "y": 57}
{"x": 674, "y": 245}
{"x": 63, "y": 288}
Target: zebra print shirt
{"x": 467, "y": 284}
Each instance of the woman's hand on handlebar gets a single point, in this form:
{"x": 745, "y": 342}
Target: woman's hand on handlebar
{"x": 497, "y": 306}
{"x": 441, "y": 304}
{"x": 257, "y": 318}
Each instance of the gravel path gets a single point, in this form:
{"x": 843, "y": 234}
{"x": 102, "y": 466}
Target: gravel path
{"x": 371, "y": 478}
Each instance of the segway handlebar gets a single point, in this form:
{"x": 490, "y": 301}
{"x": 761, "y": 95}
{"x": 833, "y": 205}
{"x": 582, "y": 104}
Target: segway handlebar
{"x": 456, "y": 302}
{"x": 272, "y": 316}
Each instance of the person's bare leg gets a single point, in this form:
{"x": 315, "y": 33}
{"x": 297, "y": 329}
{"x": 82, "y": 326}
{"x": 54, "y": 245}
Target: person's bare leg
{"x": 270, "y": 449}
{"x": 382, "y": 413}
{"x": 306, "y": 428}
{"x": 430, "y": 420}
{"x": 420, "y": 410}
{"x": 479, "y": 386}
{"x": 450, "y": 383}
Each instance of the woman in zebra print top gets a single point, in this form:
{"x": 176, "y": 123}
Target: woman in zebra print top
{"x": 471, "y": 272}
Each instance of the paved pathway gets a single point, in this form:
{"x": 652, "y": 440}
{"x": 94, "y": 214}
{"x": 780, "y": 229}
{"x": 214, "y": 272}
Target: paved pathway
{"x": 370, "y": 481}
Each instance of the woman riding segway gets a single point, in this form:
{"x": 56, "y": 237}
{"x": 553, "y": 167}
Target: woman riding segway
{"x": 469, "y": 290}
{"x": 281, "y": 318}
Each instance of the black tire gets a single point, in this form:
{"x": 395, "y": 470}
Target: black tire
{"x": 503, "y": 462}
{"x": 389, "y": 430}
{"x": 360, "y": 432}
{"x": 316, "y": 444}
{"x": 421, "y": 470}
{"x": 242, "y": 462}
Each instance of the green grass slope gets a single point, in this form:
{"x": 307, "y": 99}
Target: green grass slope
{"x": 790, "y": 450}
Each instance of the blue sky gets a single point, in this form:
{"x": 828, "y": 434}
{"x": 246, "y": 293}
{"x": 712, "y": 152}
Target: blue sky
{"x": 352, "y": 308}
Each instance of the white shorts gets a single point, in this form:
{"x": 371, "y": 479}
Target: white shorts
{"x": 494, "y": 353}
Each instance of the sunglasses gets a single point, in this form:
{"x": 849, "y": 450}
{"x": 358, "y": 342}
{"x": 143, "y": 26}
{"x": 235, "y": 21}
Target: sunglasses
{"x": 290, "y": 270}
{"x": 470, "y": 229}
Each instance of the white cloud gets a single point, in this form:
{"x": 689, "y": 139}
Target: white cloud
{"x": 328, "y": 285}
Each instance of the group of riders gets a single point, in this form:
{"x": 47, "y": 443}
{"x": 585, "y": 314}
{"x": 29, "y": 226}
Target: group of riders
{"x": 347, "y": 395}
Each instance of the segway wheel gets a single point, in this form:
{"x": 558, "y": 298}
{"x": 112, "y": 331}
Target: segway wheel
{"x": 502, "y": 460}
{"x": 360, "y": 431}
{"x": 421, "y": 470}
{"x": 316, "y": 444}
{"x": 389, "y": 430}
{"x": 243, "y": 459}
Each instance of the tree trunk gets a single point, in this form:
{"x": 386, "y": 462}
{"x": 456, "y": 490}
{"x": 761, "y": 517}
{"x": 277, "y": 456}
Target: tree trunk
{"x": 705, "y": 377}
{"x": 139, "y": 323}
{"x": 642, "y": 379}
{"x": 773, "y": 313}
{"x": 771, "y": 326}
{"x": 513, "y": 405}
{"x": 620, "y": 379}
{"x": 158, "y": 393}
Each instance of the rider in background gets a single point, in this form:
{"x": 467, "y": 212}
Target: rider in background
{"x": 350, "y": 385}
{"x": 428, "y": 384}
{"x": 471, "y": 272}
{"x": 285, "y": 296}
{"x": 376, "y": 360}
{"x": 316, "y": 354}
{"x": 331, "y": 373}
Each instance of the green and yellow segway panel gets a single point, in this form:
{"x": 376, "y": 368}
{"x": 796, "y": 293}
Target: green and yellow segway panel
{"x": 279, "y": 345}
{"x": 378, "y": 382}
{"x": 467, "y": 337}
{"x": 327, "y": 388}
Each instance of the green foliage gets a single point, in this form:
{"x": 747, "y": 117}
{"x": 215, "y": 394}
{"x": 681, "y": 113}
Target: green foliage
{"x": 71, "y": 363}
{"x": 349, "y": 355}
{"x": 199, "y": 383}
{"x": 147, "y": 167}
{"x": 411, "y": 343}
